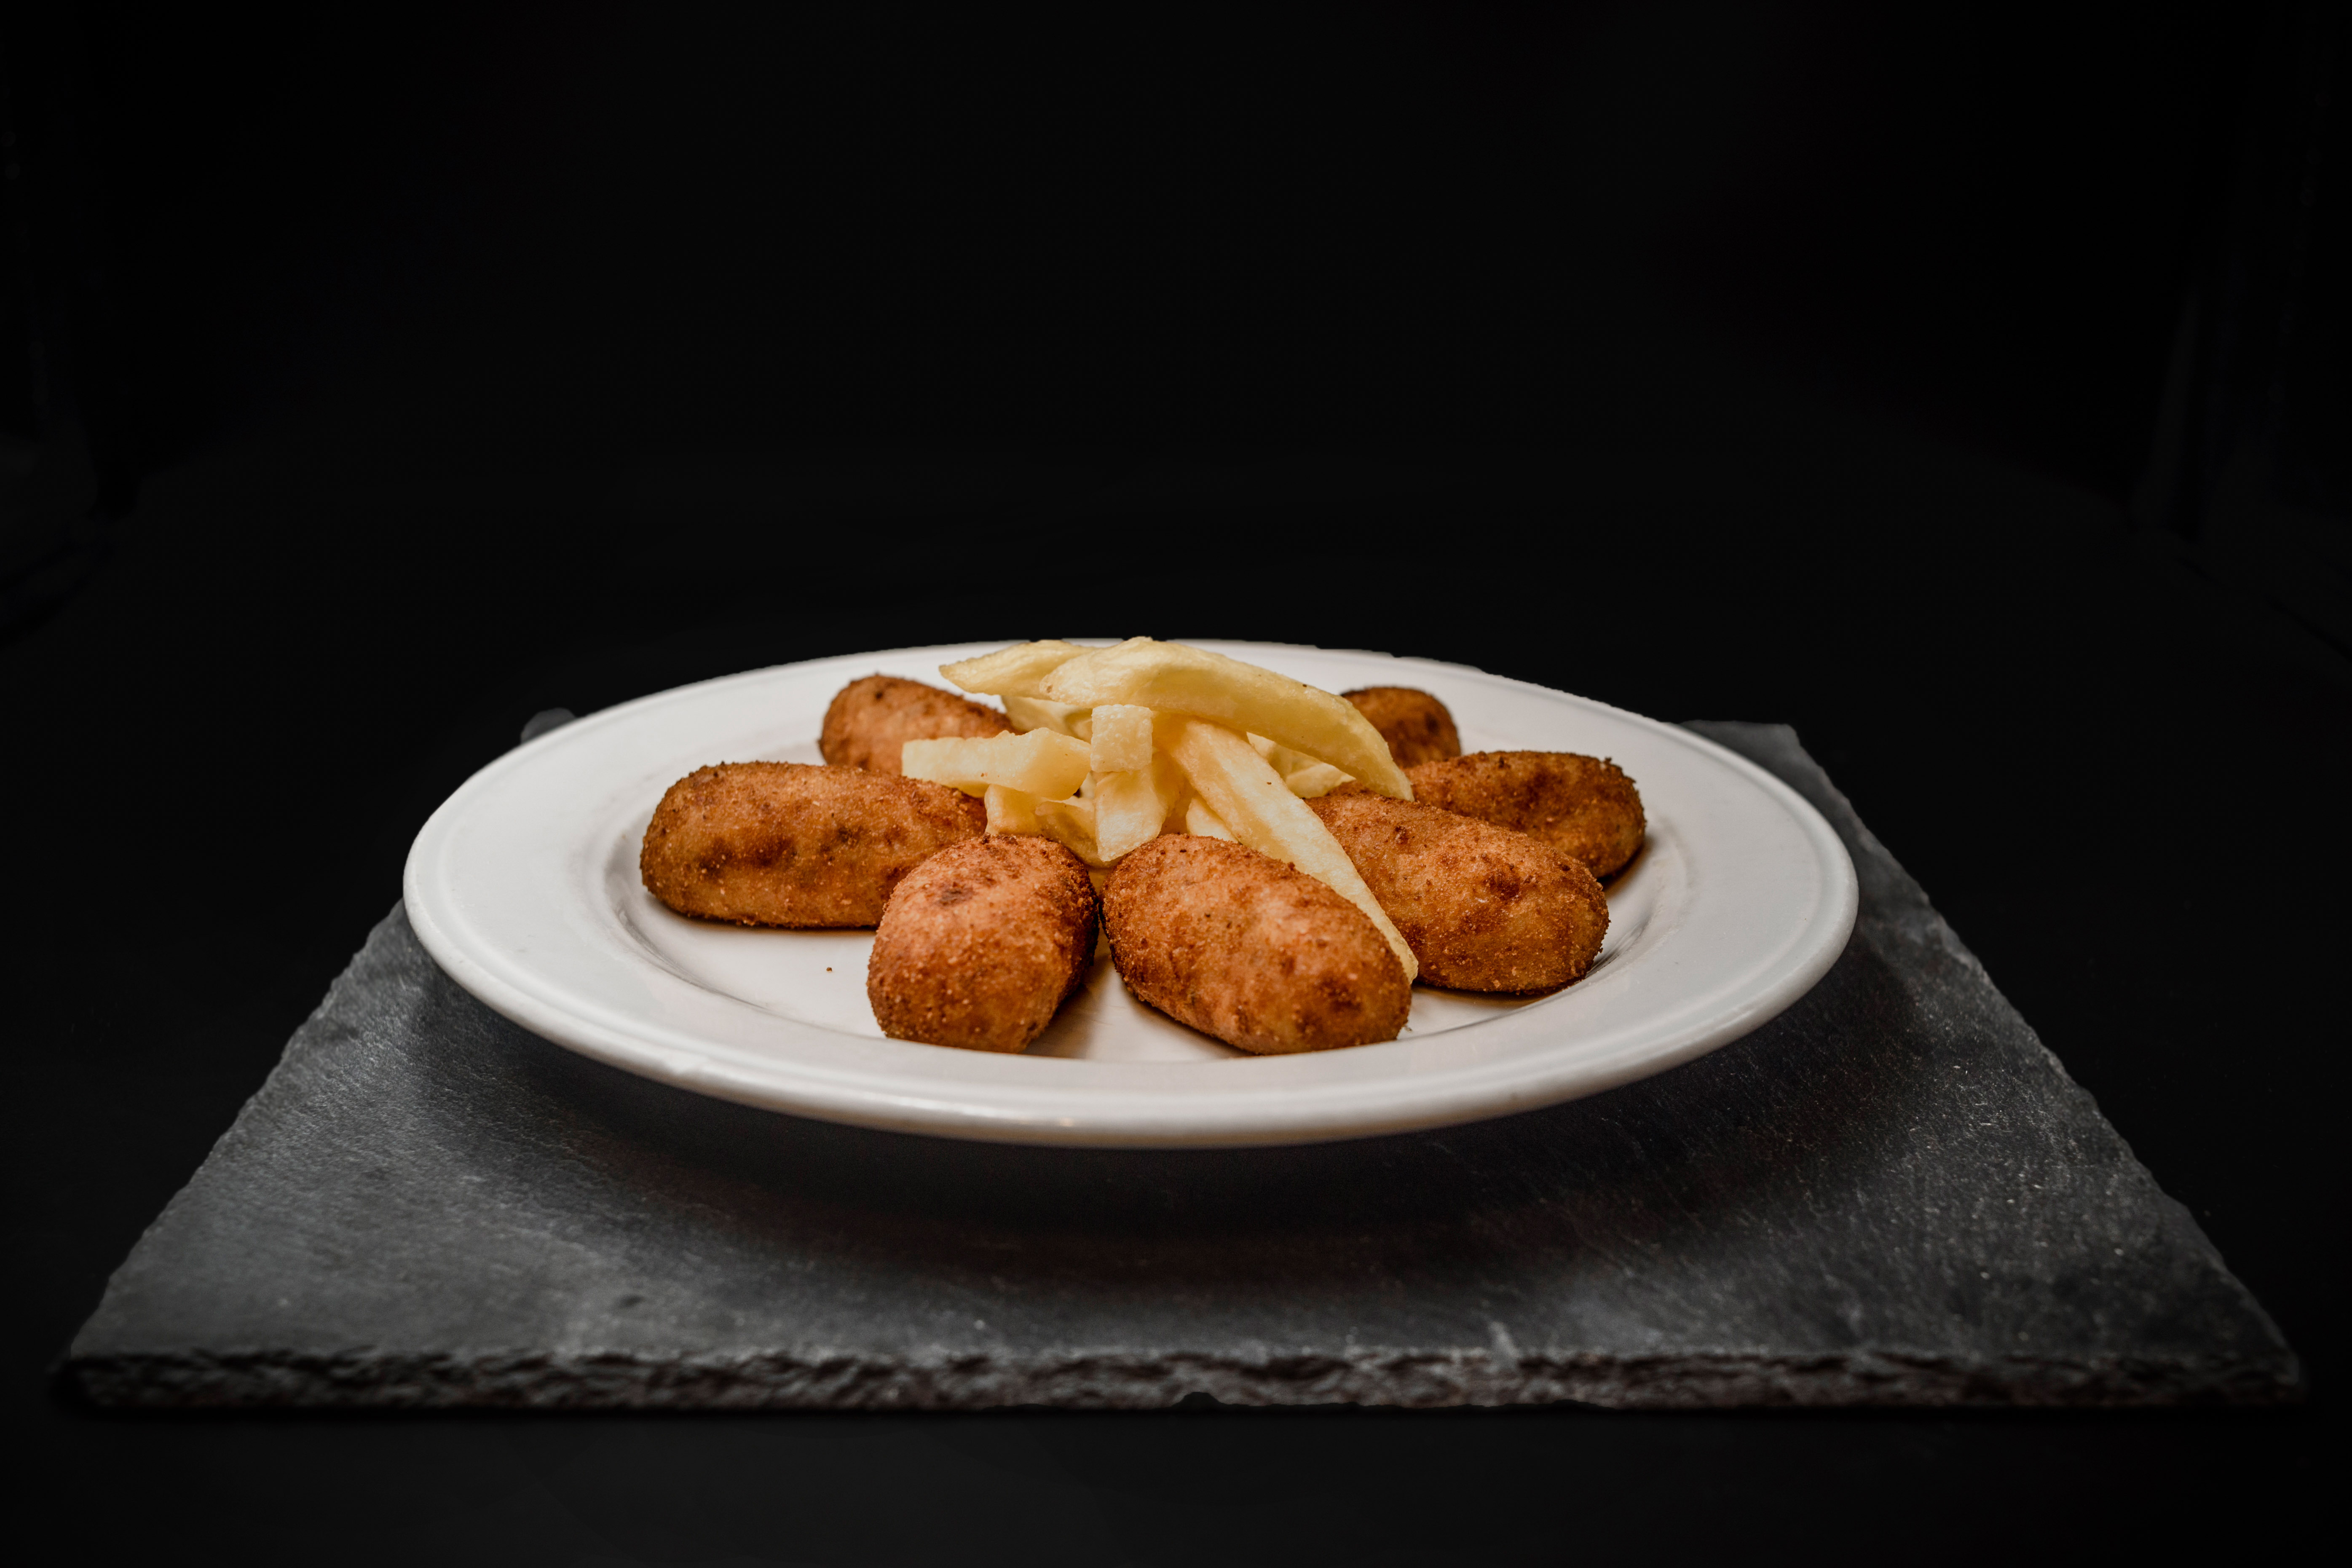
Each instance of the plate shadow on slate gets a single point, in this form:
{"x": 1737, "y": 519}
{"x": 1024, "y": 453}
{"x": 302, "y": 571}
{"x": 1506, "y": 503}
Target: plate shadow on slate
{"x": 1890, "y": 1195}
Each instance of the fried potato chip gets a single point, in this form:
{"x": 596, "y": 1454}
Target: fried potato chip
{"x": 1039, "y": 763}
{"x": 1251, "y": 799}
{"x": 1012, "y": 671}
{"x": 1035, "y": 713}
{"x": 1121, "y": 738}
{"x": 1313, "y": 780}
{"x": 1071, "y": 823}
{"x": 1011, "y": 810}
{"x": 1173, "y": 822}
{"x": 1306, "y": 777}
{"x": 1200, "y": 819}
{"x": 1131, "y": 805}
{"x": 1285, "y": 759}
{"x": 1193, "y": 682}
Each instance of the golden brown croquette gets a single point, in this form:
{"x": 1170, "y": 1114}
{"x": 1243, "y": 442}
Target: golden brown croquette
{"x": 870, "y": 719}
{"x": 1584, "y": 807}
{"x": 784, "y": 843}
{"x": 981, "y": 942}
{"x": 1482, "y": 907}
{"x": 1249, "y": 949}
{"x": 1416, "y": 725}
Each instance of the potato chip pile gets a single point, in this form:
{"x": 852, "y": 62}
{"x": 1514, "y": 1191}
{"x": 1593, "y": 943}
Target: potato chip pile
{"x": 1114, "y": 746}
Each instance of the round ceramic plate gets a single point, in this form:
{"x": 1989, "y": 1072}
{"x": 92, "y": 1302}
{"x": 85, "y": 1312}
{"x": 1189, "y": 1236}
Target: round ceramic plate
{"x": 524, "y": 887}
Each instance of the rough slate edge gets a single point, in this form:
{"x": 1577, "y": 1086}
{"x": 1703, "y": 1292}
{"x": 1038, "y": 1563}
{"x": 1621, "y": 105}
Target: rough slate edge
{"x": 109, "y": 1367}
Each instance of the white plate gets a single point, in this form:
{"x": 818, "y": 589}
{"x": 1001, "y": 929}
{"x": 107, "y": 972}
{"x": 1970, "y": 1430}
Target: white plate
{"x": 524, "y": 887}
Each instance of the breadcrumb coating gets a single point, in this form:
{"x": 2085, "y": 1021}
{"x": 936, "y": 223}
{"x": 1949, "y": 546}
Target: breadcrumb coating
{"x": 1249, "y": 949}
{"x": 1584, "y": 807}
{"x": 870, "y": 719}
{"x": 981, "y": 942}
{"x": 785, "y": 844}
{"x": 1482, "y": 907}
{"x": 1417, "y": 726}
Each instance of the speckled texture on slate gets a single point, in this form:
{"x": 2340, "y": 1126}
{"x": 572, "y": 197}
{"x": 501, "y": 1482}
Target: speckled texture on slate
{"x": 1891, "y": 1193}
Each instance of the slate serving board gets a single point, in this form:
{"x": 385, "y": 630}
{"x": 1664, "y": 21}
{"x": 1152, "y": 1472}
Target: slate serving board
{"x": 1892, "y": 1194}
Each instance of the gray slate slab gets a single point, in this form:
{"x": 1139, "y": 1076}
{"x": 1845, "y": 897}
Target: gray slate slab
{"x": 1892, "y": 1194}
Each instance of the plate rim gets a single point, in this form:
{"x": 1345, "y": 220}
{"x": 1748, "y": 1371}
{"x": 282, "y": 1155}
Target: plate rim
{"x": 1464, "y": 1098}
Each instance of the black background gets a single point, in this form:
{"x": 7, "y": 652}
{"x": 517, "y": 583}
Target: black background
{"x": 1964, "y": 386}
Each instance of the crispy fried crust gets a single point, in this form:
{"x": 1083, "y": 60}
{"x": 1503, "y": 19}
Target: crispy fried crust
{"x": 981, "y": 942}
{"x": 870, "y": 719}
{"x": 1482, "y": 907}
{"x": 1582, "y": 806}
{"x": 1416, "y": 725}
{"x": 784, "y": 843}
{"x": 1248, "y": 949}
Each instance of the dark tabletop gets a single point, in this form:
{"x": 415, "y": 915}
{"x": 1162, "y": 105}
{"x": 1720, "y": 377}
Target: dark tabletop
{"x": 1888, "y": 1193}
{"x": 245, "y": 766}
{"x": 584, "y": 425}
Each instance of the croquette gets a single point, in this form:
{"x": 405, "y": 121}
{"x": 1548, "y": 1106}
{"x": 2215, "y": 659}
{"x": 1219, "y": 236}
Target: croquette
{"x": 870, "y": 719}
{"x": 1482, "y": 907}
{"x": 1416, "y": 725}
{"x": 1584, "y": 807}
{"x": 1249, "y": 949}
{"x": 981, "y": 942}
{"x": 784, "y": 843}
